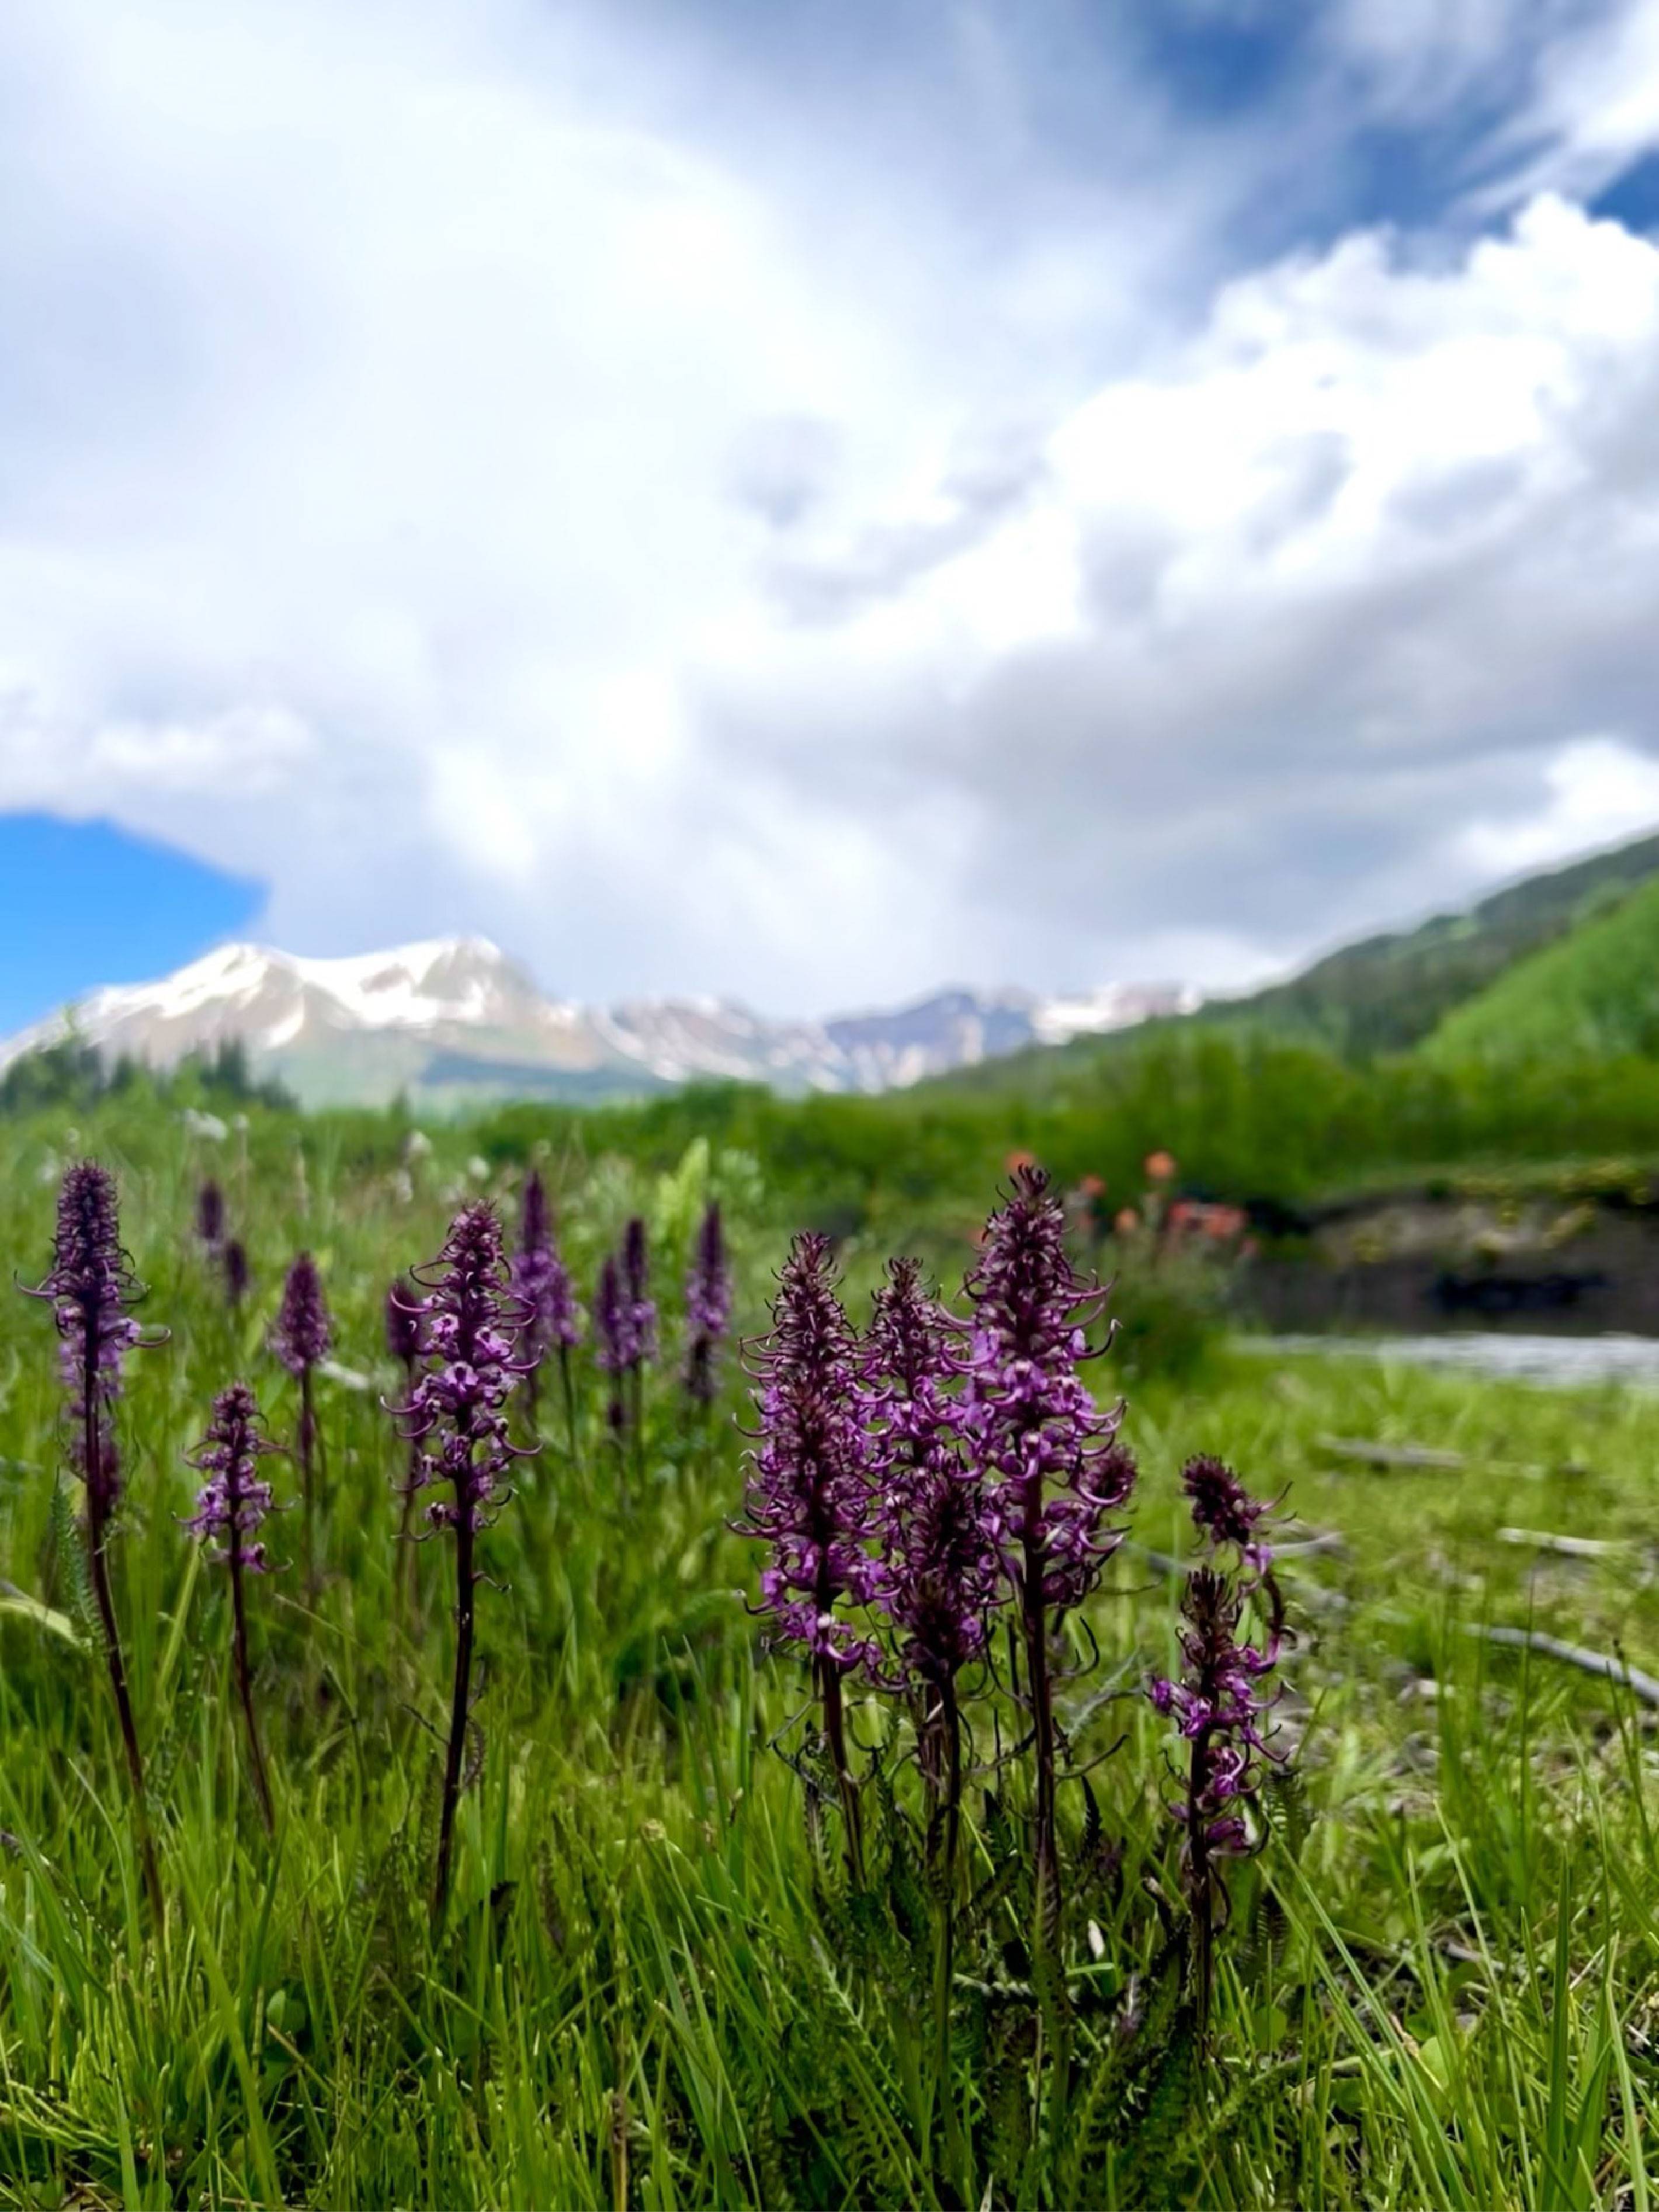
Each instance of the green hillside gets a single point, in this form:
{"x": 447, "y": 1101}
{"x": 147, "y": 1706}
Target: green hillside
{"x": 1384, "y": 994}
{"x": 1594, "y": 992}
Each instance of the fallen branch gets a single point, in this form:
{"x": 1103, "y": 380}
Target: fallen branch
{"x": 1641, "y": 1686}
{"x": 1421, "y": 1456}
{"x": 1569, "y": 1547}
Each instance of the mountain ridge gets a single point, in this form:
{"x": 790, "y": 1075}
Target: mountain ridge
{"x": 448, "y": 1020}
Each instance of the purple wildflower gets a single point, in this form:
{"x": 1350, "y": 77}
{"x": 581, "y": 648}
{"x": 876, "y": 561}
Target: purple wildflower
{"x": 210, "y": 1215}
{"x": 234, "y": 1258}
{"x": 456, "y": 1411}
{"x": 300, "y": 1337}
{"x": 636, "y": 1282}
{"x": 1218, "y": 1704}
{"x": 91, "y": 1288}
{"x": 470, "y": 1325}
{"x": 233, "y": 1505}
{"x": 1224, "y": 1510}
{"x": 614, "y": 1347}
{"x": 302, "y": 1333}
{"x": 541, "y": 1283}
{"x": 943, "y": 1567}
{"x": 234, "y": 1499}
{"x": 809, "y": 1493}
{"x": 1054, "y": 1467}
{"x": 708, "y": 1308}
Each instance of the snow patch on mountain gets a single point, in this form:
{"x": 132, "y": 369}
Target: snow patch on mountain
{"x": 451, "y": 1018}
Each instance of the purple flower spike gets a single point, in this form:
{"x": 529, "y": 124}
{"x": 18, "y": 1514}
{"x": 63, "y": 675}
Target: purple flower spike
{"x": 233, "y": 1505}
{"x": 541, "y": 1281}
{"x": 1055, "y": 1468}
{"x": 613, "y": 1322}
{"x": 1219, "y": 1704}
{"x": 470, "y": 1323}
{"x": 1224, "y": 1510}
{"x": 235, "y": 1260}
{"x": 210, "y": 1215}
{"x": 456, "y": 1412}
{"x": 708, "y": 1309}
{"x": 943, "y": 1564}
{"x": 636, "y": 1282}
{"x": 1051, "y": 1451}
{"x": 809, "y": 1495}
{"x": 302, "y": 1333}
{"x": 234, "y": 1499}
{"x": 91, "y": 1288}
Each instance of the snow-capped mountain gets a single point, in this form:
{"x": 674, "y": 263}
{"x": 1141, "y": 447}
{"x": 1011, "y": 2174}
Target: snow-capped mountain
{"x": 454, "y": 1018}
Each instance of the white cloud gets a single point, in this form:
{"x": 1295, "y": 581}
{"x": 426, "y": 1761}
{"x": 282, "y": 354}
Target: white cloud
{"x": 437, "y": 475}
{"x": 1600, "y": 792}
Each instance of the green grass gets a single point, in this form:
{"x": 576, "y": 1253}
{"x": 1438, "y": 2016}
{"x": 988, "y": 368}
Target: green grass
{"x": 1591, "y": 993}
{"x": 642, "y": 1995}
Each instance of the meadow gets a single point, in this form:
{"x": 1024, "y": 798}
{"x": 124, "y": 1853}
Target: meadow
{"x": 656, "y": 1979}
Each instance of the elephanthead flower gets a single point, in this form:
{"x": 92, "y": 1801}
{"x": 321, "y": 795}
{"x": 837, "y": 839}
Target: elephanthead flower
{"x": 456, "y": 1412}
{"x": 541, "y": 1281}
{"x": 232, "y": 1509}
{"x": 234, "y": 1500}
{"x": 708, "y": 1308}
{"x": 1219, "y": 1704}
{"x": 938, "y": 1526}
{"x": 1224, "y": 1510}
{"x": 809, "y": 1494}
{"x": 470, "y": 1324}
{"x": 637, "y": 1283}
{"x": 1051, "y": 1458}
{"x": 302, "y": 1333}
{"x": 1049, "y": 1450}
{"x": 92, "y": 1288}
{"x": 210, "y": 1215}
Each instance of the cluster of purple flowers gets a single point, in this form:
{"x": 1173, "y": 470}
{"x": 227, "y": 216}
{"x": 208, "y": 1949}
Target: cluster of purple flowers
{"x": 947, "y": 1465}
{"x": 541, "y": 1281}
{"x": 470, "y": 1323}
{"x": 938, "y": 1470}
{"x": 234, "y": 1500}
{"x": 1219, "y": 1704}
{"x": 810, "y": 1495}
{"x": 92, "y": 1289}
{"x": 708, "y": 1308}
{"x": 938, "y": 1528}
{"x": 302, "y": 1334}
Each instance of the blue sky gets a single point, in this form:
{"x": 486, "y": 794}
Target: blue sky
{"x": 809, "y": 502}
{"x": 84, "y": 900}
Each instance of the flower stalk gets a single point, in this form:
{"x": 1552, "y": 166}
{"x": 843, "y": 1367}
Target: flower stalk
{"x": 1051, "y": 1456}
{"x": 809, "y": 1496}
{"x": 231, "y": 1508}
{"x": 541, "y": 1283}
{"x": 1219, "y": 1702}
{"x": 470, "y": 1323}
{"x": 92, "y": 1288}
{"x": 301, "y": 1337}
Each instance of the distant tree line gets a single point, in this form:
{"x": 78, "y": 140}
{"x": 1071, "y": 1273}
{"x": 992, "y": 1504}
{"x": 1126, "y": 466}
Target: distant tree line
{"x": 73, "y": 1073}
